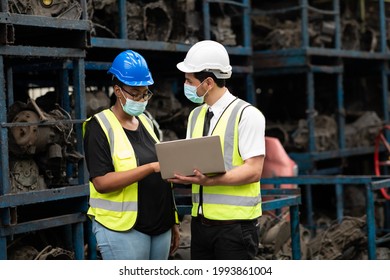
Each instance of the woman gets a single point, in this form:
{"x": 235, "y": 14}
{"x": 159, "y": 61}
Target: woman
{"x": 132, "y": 209}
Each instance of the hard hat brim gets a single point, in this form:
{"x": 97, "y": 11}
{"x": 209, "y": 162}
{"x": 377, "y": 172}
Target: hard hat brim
{"x": 218, "y": 74}
{"x": 183, "y": 68}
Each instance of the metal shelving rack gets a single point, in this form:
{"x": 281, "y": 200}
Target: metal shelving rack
{"x": 21, "y": 57}
{"x": 242, "y": 51}
{"x": 299, "y": 61}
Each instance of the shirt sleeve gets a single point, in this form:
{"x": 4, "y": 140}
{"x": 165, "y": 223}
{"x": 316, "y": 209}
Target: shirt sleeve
{"x": 97, "y": 150}
{"x": 251, "y": 131}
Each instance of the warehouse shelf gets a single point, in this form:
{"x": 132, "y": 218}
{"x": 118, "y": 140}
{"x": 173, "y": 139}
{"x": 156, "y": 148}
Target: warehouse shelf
{"x": 324, "y": 78}
{"x": 311, "y": 61}
{"x": 371, "y": 184}
{"x": 29, "y": 44}
{"x": 280, "y": 198}
{"x": 152, "y": 50}
{"x": 38, "y": 30}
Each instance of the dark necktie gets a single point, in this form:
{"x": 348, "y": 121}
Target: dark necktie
{"x": 209, "y": 115}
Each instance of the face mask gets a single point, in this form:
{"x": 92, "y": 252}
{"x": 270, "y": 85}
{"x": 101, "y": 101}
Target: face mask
{"x": 190, "y": 93}
{"x": 133, "y": 108}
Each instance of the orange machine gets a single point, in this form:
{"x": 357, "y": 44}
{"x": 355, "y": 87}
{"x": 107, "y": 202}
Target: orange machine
{"x": 277, "y": 163}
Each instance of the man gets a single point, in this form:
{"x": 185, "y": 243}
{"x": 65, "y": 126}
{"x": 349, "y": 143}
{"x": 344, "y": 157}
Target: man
{"x": 225, "y": 207}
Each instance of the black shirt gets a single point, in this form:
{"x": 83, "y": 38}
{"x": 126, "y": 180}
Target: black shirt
{"x": 155, "y": 197}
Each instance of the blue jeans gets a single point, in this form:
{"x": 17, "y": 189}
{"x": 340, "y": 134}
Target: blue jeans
{"x": 131, "y": 244}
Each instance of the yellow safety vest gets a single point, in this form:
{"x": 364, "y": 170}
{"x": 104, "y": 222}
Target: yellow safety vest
{"x": 241, "y": 202}
{"x": 117, "y": 210}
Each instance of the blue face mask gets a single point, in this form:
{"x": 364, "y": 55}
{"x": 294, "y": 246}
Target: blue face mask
{"x": 133, "y": 108}
{"x": 190, "y": 93}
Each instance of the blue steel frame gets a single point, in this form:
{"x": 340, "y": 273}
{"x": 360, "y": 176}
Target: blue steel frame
{"x": 297, "y": 61}
{"x": 286, "y": 198}
{"x": 292, "y": 198}
{"x": 244, "y": 51}
{"x": 76, "y": 57}
{"x": 370, "y": 183}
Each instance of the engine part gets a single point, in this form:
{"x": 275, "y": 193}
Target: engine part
{"x": 96, "y": 102}
{"x": 26, "y": 252}
{"x": 50, "y": 253}
{"x": 157, "y": 21}
{"x": 325, "y": 134}
{"x": 135, "y": 24}
{"x": 222, "y": 30}
{"x": 46, "y": 138}
{"x": 67, "y": 9}
{"x": 24, "y": 176}
{"x": 25, "y": 137}
{"x": 342, "y": 240}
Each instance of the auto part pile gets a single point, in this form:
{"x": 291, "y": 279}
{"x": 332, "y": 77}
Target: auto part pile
{"x": 360, "y": 133}
{"x": 42, "y": 146}
{"x": 66, "y": 9}
{"x": 333, "y": 240}
{"x": 162, "y": 20}
{"x": 359, "y": 32}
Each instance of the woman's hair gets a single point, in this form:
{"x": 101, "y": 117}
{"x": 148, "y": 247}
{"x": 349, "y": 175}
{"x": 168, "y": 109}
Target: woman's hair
{"x": 116, "y": 82}
{"x": 201, "y": 76}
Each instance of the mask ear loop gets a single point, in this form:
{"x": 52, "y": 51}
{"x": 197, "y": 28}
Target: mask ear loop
{"x": 123, "y": 96}
{"x": 207, "y": 91}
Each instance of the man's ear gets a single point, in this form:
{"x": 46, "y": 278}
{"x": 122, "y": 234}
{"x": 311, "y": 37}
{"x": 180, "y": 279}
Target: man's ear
{"x": 210, "y": 82}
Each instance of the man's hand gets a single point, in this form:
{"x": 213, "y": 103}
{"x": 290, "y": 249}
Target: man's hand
{"x": 198, "y": 178}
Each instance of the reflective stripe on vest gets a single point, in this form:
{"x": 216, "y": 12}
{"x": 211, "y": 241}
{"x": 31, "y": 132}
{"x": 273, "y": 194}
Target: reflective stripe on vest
{"x": 225, "y": 202}
{"x": 117, "y": 210}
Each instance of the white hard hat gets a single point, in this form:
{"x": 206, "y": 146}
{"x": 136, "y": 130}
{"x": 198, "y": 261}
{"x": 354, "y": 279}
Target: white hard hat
{"x": 209, "y": 56}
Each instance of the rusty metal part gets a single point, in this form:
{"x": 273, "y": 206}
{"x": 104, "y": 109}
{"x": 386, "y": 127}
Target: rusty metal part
{"x": 26, "y": 252}
{"x": 135, "y": 21}
{"x": 38, "y": 110}
{"x": 362, "y": 132}
{"x": 96, "y": 101}
{"x": 277, "y": 235}
{"x": 50, "y": 145}
{"x": 25, "y": 137}
{"x": 24, "y": 176}
{"x": 50, "y": 253}
{"x": 157, "y": 21}
{"x": 223, "y": 32}
{"x": 340, "y": 240}
{"x": 67, "y": 9}
{"x": 162, "y": 20}
{"x": 325, "y": 133}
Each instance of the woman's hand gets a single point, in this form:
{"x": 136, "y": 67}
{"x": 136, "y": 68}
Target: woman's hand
{"x": 155, "y": 166}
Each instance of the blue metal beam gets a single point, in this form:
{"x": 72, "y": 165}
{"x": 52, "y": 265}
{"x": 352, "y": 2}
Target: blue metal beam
{"x": 16, "y": 199}
{"x": 43, "y": 21}
{"x": 29, "y": 51}
{"x": 42, "y": 224}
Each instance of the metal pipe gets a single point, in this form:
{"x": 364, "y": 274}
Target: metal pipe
{"x": 311, "y": 112}
{"x": 206, "y": 19}
{"x": 340, "y": 111}
{"x": 295, "y": 234}
{"x": 370, "y": 218}
{"x": 304, "y": 23}
{"x": 382, "y": 19}
{"x": 339, "y": 202}
{"x": 336, "y": 8}
{"x": 122, "y": 13}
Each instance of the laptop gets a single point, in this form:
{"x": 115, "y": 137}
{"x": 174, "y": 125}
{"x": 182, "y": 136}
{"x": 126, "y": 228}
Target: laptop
{"x": 184, "y": 155}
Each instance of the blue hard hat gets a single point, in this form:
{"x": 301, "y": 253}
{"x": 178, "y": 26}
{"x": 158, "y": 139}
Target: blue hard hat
{"x": 131, "y": 69}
